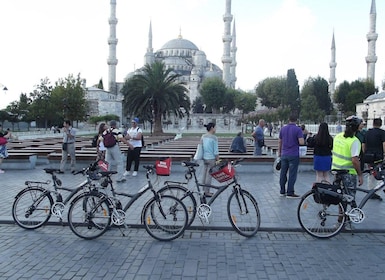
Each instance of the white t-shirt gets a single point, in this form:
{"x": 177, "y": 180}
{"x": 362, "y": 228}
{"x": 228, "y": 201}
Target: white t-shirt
{"x": 133, "y": 132}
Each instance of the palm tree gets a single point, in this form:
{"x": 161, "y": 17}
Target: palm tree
{"x": 155, "y": 93}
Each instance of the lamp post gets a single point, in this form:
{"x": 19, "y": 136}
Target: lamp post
{"x": 365, "y": 112}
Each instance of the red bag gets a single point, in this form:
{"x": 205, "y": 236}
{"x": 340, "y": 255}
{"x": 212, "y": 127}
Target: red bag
{"x": 103, "y": 165}
{"x": 222, "y": 172}
{"x": 3, "y": 141}
{"x": 163, "y": 166}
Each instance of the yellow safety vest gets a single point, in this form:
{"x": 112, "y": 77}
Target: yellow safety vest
{"x": 342, "y": 156}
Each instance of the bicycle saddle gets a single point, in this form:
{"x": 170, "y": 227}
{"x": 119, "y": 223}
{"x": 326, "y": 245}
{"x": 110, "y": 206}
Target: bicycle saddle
{"x": 51, "y": 170}
{"x": 189, "y": 163}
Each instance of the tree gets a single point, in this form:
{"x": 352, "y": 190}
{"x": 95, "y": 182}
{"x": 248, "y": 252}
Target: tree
{"x": 292, "y": 97}
{"x": 315, "y": 100}
{"x": 41, "y": 107}
{"x": 68, "y": 98}
{"x": 271, "y": 91}
{"x": 213, "y": 92}
{"x": 347, "y": 94}
{"x": 245, "y": 102}
{"x": 155, "y": 93}
{"x": 198, "y": 105}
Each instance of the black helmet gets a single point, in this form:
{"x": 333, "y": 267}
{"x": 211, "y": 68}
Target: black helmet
{"x": 353, "y": 121}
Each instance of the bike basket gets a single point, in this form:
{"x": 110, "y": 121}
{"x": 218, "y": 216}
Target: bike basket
{"x": 163, "y": 166}
{"x": 222, "y": 172}
{"x": 327, "y": 193}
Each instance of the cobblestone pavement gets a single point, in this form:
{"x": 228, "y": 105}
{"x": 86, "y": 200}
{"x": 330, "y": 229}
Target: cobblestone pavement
{"x": 55, "y": 253}
{"x": 280, "y": 250}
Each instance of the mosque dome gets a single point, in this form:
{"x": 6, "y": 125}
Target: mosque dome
{"x": 376, "y": 96}
{"x": 180, "y": 43}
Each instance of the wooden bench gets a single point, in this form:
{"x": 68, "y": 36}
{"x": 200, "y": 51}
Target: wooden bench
{"x": 20, "y": 160}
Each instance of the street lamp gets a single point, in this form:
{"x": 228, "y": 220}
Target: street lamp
{"x": 3, "y": 87}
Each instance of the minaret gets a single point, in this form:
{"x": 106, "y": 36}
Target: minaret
{"x": 112, "y": 42}
{"x": 332, "y": 65}
{"x": 372, "y": 38}
{"x": 234, "y": 58}
{"x": 149, "y": 57}
{"x": 226, "y": 58}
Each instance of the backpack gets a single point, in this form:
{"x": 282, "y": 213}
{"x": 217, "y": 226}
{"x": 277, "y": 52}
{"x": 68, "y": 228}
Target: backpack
{"x": 141, "y": 138}
{"x": 109, "y": 139}
{"x": 95, "y": 140}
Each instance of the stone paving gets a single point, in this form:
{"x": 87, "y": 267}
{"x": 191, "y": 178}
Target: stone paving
{"x": 280, "y": 250}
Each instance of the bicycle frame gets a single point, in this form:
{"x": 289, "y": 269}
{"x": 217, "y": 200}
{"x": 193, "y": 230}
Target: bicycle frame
{"x": 219, "y": 189}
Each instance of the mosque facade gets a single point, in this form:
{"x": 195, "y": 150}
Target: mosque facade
{"x": 179, "y": 54}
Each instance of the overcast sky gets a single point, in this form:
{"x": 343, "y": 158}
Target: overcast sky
{"x": 54, "y": 38}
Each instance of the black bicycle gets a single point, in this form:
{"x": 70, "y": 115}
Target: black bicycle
{"x": 34, "y": 205}
{"x": 242, "y": 207}
{"x": 164, "y": 217}
{"x": 327, "y": 208}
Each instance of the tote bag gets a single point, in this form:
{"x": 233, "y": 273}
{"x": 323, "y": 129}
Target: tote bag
{"x": 199, "y": 152}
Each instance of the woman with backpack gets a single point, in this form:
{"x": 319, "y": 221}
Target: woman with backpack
{"x": 134, "y": 135}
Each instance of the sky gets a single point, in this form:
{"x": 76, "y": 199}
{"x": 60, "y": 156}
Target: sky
{"x": 54, "y": 38}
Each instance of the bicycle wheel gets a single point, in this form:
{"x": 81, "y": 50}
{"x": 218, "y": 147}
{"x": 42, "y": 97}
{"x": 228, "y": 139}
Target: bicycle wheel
{"x": 243, "y": 213}
{"x": 89, "y": 215}
{"x": 320, "y": 220}
{"x": 165, "y": 218}
{"x": 32, "y": 207}
{"x": 186, "y": 196}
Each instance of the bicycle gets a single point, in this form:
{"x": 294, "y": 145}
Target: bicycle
{"x": 242, "y": 207}
{"x": 327, "y": 208}
{"x": 163, "y": 216}
{"x": 34, "y": 205}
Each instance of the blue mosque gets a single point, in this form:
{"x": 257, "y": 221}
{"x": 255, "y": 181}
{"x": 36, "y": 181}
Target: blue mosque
{"x": 193, "y": 66}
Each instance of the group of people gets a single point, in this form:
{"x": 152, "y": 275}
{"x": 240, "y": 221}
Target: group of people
{"x": 111, "y": 152}
{"x": 349, "y": 150}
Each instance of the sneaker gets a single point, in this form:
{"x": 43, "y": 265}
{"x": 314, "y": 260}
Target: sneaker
{"x": 293, "y": 196}
{"x": 134, "y": 173}
{"x": 126, "y": 173}
{"x": 120, "y": 180}
{"x": 2, "y": 171}
{"x": 282, "y": 194}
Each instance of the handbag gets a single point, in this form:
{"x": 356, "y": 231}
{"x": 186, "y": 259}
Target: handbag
{"x": 64, "y": 147}
{"x": 3, "y": 141}
{"x": 199, "y": 152}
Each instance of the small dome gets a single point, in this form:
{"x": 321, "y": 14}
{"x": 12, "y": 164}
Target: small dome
{"x": 180, "y": 43}
{"x": 375, "y": 96}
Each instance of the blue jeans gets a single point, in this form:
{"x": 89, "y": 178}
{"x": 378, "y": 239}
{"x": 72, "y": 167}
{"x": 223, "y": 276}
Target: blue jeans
{"x": 257, "y": 150}
{"x": 288, "y": 163}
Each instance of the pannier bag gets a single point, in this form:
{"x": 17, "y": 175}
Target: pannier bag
{"x": 163, "y": 166}
{"x": 222, "y": 172}
{"x": 327, "y": 193}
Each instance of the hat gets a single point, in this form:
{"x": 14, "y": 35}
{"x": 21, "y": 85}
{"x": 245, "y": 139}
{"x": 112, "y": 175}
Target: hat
{"x": 112, "y": 123}
{"x": 136, "y": 120}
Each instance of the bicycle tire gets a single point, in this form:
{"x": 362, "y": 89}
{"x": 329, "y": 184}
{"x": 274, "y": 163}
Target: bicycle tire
{"x": 89, "y": 215}
{"x": 186, "y": 196}
{"x": 165, "y": 218}
{"x": 31, "y": 208}
{"x": 320, "y": 220}
{"x": 243, "y": 213}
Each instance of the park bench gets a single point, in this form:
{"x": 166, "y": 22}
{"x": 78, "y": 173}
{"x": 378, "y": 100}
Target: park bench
{"x": 20, "y": 160}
